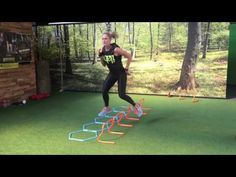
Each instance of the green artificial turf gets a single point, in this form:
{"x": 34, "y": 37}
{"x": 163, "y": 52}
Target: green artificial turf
{"x": 172, "y": 126}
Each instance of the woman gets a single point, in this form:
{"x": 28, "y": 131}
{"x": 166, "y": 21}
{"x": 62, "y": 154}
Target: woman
{"x": 111, "y": 55}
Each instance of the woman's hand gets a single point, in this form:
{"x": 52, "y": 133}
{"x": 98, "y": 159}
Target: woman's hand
{"x": 103, "y": 62}
{"x": 100, "y": 53}
{"x": 127, "y": 71}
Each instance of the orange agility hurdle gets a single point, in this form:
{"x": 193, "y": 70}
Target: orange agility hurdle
{"x": 128, "y": 114}
{"x": 112, "y": 121}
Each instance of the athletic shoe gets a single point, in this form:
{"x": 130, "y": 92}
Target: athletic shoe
{"x": 138, "y": 110}
{"x": 105, "y": 111}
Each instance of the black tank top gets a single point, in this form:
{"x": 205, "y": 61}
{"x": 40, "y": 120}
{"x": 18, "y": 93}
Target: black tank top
{"x": 113, "y": 62}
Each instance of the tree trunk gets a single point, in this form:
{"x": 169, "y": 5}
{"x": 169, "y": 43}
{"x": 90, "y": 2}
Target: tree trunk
{"x": 158, "y": 35}
{"x": 151, "y": 40}
{"x": 209, "y": 43}
{"x": 133, "y": 43}
{"x": 55, "y": 31}
{"x": 133, "y": 33}
{"x": 75, "y": 42}
{"x": 98, "y": 25}
{"x": 49, "y": 36}
{"x": 115, "y": 29}
{"x": 108, "y": 26}
{"x": 67, "y": 50}
{"x": 129, "y": 33}
{"x": 43, "y": 36}
{"x": 187, "y": 78}
{"x": 88, "y": 42}
{"x": 124, "y": 34}
{"x": 94, "y": 43}
{"x": 80, "y": 46}
{"x": 206, "y": 40}
{"x": 136, "y": 41}
{"x": 61, "y": 34}
{"x": 170, "y": 30}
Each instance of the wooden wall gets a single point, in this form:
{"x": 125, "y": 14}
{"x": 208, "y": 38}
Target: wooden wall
{"x": 19, "y": 83}
{"x": 22, "y": 27}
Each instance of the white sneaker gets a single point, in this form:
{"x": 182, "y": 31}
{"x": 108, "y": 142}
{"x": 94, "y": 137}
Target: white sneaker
{"x": 138, "y": 110}
{"x": 105, "y": 110}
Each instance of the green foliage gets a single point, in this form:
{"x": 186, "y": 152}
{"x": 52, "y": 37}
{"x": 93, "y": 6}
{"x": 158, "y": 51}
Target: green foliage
{"x": 46, "y": 53}
{"x": 46, "y": 43}
{"x": 222, "y": 39}
{"x": 166, "y": 36}
{"x": 219, "y": 35}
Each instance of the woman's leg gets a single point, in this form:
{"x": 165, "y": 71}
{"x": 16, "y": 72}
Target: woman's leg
{"x": 122, "y": 80}
{"x": 108, "y": 83}
{"x": 122, "y": 89}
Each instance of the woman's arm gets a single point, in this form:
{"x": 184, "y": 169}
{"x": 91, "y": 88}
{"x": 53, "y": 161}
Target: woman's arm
{"x": 101, "y": 57}
{"x": 119, "y": 51}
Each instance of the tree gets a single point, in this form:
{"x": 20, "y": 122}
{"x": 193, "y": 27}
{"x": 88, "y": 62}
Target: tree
{"x": 61, "y": 34}
{"x": 108, "y": 26}
{"x": 115, "y": 29}
{"x": 205, "y": 44}
{"x": 125, "y": 27}
{"x": 133, "y": 44}
{"x": 219, "y": 32}
{"x": 137, "y": 37}
{"x": 187, "y": 78}
{"x": 151, "y": 40}
{"x": 170, "y": 33}
{"x": 98, "y": 25}
{"x": 158, "y": 36}
{"x": 67, "y": 50}
{"x": 88, "y": 41}
{"x": 94, "y": 43}
{"x": 133, "y": 33}
{"x": 129, "y": 33}
{"x": 75, "y": 42}
{"x": 80, "y": 43}
{"x": 49, "y": 37}
{"x": 131, "y": 39}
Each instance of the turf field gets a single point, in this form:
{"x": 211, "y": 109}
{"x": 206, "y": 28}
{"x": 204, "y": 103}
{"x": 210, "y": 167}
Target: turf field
{"x": 172, "y": 126}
